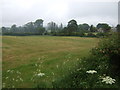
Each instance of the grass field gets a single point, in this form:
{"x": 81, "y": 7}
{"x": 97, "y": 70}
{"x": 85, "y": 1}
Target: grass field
{"x": 26, "y": 56}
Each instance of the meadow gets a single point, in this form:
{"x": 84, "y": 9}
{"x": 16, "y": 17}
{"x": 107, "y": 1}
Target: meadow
{"x": 53, "y": 57}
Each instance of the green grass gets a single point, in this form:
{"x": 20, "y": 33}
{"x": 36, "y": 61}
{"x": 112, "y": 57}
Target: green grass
{"x": 56, "y": 56}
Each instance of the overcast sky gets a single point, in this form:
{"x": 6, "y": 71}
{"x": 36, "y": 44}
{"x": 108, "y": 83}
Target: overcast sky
{"x": 20, "y": 12}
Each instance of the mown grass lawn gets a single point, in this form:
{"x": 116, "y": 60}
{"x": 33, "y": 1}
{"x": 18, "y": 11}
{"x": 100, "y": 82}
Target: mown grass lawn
{"x": 51, "y": 55}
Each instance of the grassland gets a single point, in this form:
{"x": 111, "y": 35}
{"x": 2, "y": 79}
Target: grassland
{"x": 53, "y": 56}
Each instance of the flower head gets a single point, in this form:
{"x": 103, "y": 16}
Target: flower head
{"x": 91, "y": 71}
{"x": 41, "y": 74}
{"x": 108, "y": 80}
{"x": 8, "y": 70}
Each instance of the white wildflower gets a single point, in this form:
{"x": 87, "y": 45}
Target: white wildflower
{"x": 53, "y": 80}
{"x": 91, "y": 71}
{"x": 79, "y": 69}
{"x": 37, "y": 70}
{"x": 39, "y": 58}
{"x": 108, "y": 80}
{"x": 21, "y": 79}
{"x": 3, "y": 85}
{"x": 36, "y": 65}
{"x": 63, "y": 62}
{"x": 12, "y": 71}
{"x": 6, "y": 78}
{"x": 53, "y": 73}
{"x": 77, "y": 59}
{"x": 67, "y": 60}
{"x": 104, "y": 74}
{"x": 41, "y": 74}
{"x": 8, "y": 70}
{"x": 18, "y": 72}
{"x": 18, "y": 76}
{"x": 13, "y": 79}
{"x": 13, "y": 86}
{"x": 57, "y": 66}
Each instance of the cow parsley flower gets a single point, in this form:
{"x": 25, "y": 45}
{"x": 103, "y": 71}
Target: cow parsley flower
{"x": 64, "y": 62}
{"x": 18, "y": 72}
{"x": 3, "y": 85}
{"x": 77, "y": 59}
{"x": 13, "y": 79}
{"x": 6, "y": 78}
{"x": 21, "y": 79}
{"x": 57, "y": 66}
{"x": 108, "y": 80}
{"x": 53, "y": 73}
{"x": 41, "y": 74}
{"x": 91, "y": 71}
{"x": 8, "y": 70}
{"x": 36, "y": 65}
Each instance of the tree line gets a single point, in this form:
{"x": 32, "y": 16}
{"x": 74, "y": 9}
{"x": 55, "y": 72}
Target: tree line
{"x": 72, "y": 29}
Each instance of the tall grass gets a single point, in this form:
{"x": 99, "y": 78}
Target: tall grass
{"x": 32, "y": 55}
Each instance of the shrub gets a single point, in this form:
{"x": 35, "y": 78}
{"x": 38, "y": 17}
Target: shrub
{"x": 91, "y": 35}
{"x": 82, "y": 34}
{"x": 100, "y": 34}
{"x": 110, "y": 47}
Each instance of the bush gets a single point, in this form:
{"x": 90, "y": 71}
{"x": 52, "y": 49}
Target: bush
{"x": 91, "y": 35}
{"x": 81, "y": 34}
{"x": 100, "y": 34}
{"x": 110, "y": 47}
{"x": 105, "y": 34}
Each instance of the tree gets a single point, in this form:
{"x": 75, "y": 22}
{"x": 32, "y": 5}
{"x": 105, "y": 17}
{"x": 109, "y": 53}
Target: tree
{"x": 13, "y": 28}
{"x": 83, "y": 27}
{"x": 61, "y": 26}
{"x": 118, "y": 28}
{"x": 105, "y": 27}
{"x": 72, "y": 27}
{"x": 53, "y": 27}
{"x": 29, "y": 27}
{"x": 41, "y": 30}
{"x": 4, "y": 30}
{"x": 38, "y": 23}
{"x": 92, "y": 28}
